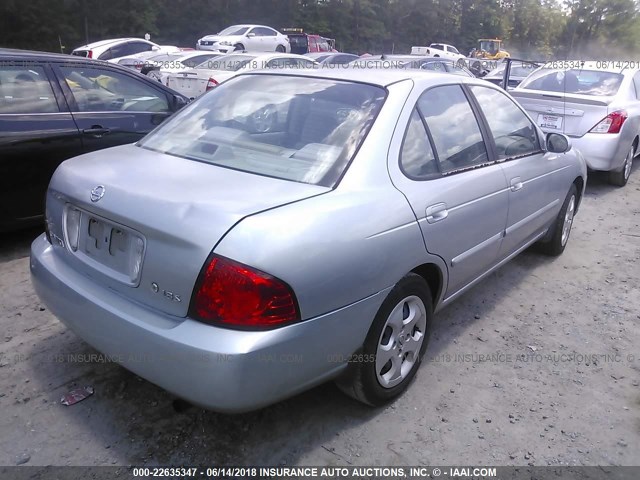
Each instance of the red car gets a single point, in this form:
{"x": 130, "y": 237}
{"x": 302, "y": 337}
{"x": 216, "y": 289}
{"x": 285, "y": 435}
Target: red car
{"x": 302, "y": 43}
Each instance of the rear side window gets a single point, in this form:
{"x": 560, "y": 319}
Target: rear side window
{"x": 581, "y": 82}
{"x": 25, "y": 90}
{"x": 102, "y": 90}
{"x": 80, "y": 53}
{"x": 512, "y": 131}
{"x": 417, "y": 158}
{"x": 453, "y": 127}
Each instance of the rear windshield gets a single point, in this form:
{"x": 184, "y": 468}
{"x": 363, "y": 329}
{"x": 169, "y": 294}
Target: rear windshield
{"x": 294, "y": 128}
{"x": 582, "y": 82}
{"x": 227, "y": 63}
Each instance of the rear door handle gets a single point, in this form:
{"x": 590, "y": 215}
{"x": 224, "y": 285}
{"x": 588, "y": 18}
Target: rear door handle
{"x": 437, "y": 212}
{"x": 96, "y": 131}
{"x": 516, "y": 184}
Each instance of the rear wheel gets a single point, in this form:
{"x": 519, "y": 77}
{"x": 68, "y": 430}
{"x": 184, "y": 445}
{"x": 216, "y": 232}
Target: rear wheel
{"x": 395, "y": 344}
{"x": 620, "y": 178}
{"x": 562, "y": 226}
{"x": 281, "y": 49}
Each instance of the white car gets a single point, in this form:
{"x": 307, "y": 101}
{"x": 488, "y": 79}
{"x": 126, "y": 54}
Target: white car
{"x": 203, "y": 78}
{"x": 117, "y": 48}
{"x": 446, "y": 51}
{"x": 160, "y": 67}
{"x": 249, "y": 38}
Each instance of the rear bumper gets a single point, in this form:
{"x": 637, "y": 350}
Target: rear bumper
{"x": 216, "y": 368}
{"x": 604, "y": 152}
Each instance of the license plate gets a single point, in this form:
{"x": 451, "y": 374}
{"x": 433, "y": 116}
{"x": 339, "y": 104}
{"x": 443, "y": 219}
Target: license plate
{"x": 115, "y": 249}
{"x": 550, "y": 121}
{"x": 187, "y": 84}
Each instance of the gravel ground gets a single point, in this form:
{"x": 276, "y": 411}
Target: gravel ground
{"x": 539, "y": 364}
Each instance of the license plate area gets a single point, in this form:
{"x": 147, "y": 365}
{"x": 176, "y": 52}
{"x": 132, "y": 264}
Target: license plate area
{"x": 111, "y": 248}
{"x": 553, "y": 122}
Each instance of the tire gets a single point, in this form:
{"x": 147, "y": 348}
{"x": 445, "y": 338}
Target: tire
{"x": 368, "y": 379}
{"x": 620, "y": 179}
{"x": 239, "y": 47}
{"x": 562, "y": 226}
{"x": 281, "y": 49}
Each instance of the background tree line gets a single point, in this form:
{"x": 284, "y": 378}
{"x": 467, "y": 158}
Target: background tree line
{"x": 534, "y": 28}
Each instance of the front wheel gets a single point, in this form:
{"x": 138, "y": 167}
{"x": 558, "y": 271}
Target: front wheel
{"x": 562, "y": 226}
{"x": 394, "y": 346}
{"x": 620, "y": 178}
{"x": 239, "y": 47}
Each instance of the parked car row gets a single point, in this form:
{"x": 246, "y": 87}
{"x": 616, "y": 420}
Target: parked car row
{"x": 218, "y": 232}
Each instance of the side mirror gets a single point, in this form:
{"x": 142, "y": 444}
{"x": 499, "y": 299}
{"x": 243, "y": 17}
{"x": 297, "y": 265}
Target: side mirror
{"x": 557, "y": 143}
{"x": 251, "y": 35}
{"x": 177, "y": 102}
{"x": 155, "y": 48}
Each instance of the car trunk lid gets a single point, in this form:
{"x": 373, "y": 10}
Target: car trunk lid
{"x": 571, "y": 114}
{"x": 169, "y": 210}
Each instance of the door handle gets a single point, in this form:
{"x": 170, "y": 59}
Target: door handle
{"x": 516, "y": 184}
{"x": 96, "y": 131}
{"x": 437, "y": 212}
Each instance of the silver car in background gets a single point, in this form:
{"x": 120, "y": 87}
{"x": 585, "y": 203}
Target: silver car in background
{"x": 294, "y": 227}
{"x": 597, "y": 104}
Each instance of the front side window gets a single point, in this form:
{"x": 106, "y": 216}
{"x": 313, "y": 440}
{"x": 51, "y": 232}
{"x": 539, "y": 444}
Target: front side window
{"x": 263, "y": 32}
{"x": 512, "y": 131}
{"x": 25, "y": 90}
{"x": 101, "y": 90}
{"x": 232, "y": 31}
{"x": 300, "y": 129}
{"x": 416, "y": 158}
{"x": 453, "y": 127}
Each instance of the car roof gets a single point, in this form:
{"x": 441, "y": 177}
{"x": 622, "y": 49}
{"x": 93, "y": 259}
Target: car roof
{"x": 35, "y": 55}
{"x": 268, "y": 56}
{"x": 104, "y": 43}
{"x": 29, "y": 55}
{"x": 381, "y": 78}
{"x": 247, "y": 25}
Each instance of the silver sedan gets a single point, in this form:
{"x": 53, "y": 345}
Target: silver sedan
{"x": 290, "y": 228}
{"x": 597, "y": 104}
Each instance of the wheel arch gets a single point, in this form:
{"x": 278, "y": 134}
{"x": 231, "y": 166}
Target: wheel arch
{"x": 579, "y": 183}
{"x": 432, "y": 274}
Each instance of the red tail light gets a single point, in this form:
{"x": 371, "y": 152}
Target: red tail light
{"x": 90, "y": 54}
{"x": 612, "y": 123}
{"x": 211, "y": 84}
{"x": 231, "y": 294}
